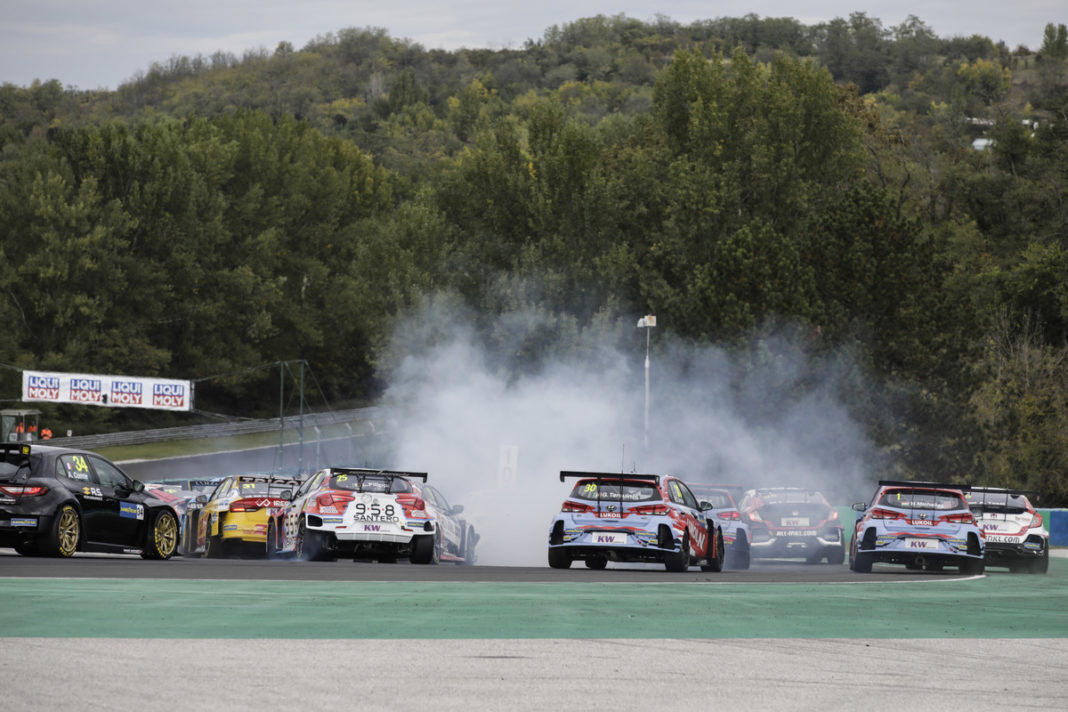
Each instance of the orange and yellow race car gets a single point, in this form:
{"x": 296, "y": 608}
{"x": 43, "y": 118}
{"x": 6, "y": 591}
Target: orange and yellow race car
{"x": 234, "y": 518}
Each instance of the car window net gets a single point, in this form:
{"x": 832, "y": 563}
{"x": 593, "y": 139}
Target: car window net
{"x": 593, "y": 491}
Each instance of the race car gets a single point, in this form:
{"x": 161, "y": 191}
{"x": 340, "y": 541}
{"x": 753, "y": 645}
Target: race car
{"x": 1015, "y": 534}
{"x": 790, "y": 522}
{"x": 632, "y": 517}
{"x": 182, "y": 496}
{"x": 367, "y": 513}
{"x": 717, "y": 502}
{"x": 924, "y": 525}
{"x": 234, "y": 518}
{"x": 56, "y": 501}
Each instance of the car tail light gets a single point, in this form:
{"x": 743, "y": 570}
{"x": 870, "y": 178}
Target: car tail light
{"x": 245, "y": 505}
{"x": 328, "y": 499}
{"x": 834, "y": 516}
{"x": 1036, "y": 520}
{"x": 648, "y": 509}
{"x": 570, "y": 506}
{"x": 960, "y": 518}
{"x": 886, "y": 514}
{"x": 21, "y": 491}
{"x": 754, "y": 516}
{"x": 411, "y": 501}
{"x": 730, "y": 514}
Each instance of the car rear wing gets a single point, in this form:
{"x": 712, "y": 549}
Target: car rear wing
{"x": 924, "y": 485}
{"x": 997, "y": 496}
{"x": 619, "y": 476}
{"x": 375, "y": 471}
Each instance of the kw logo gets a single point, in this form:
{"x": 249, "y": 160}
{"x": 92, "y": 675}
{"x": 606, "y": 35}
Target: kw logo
{"x": 372, "y": 527}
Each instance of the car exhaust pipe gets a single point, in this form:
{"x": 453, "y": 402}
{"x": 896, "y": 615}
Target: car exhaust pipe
{"x": 920, "y": 562}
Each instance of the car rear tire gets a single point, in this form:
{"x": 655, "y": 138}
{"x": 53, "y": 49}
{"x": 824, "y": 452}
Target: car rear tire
{"x": 28, "y": 548}
{"x": 559, "y": 559}
{"x": 716, "y": 546}
{"x": 836, "y": 556}
{"x": 161, "y": 540}
{"x": 597, "y": 562}
{"x": 679, "y": 561}
{"x": 423, "y": 547}
{"x": 739, "y": 558}
{"x": 213, "y": 546}
{"x": 972, "y": 567}
{"x": 470, "y": 539}
{"x": 310, "y": 544}
{"x": 1039, "y": 565}
{"x": 64, "y": 535}
{"x": 270, "y": 547}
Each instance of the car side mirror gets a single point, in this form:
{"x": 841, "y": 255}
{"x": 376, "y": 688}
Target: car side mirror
{"x": 202, "y": 499}
{"x": 859, "y": 506}
{"x": 137, "y": 486}
{"x": 705, "y": 506}
{"x": 287, "y": 494}
{"x": 457, "y": 509}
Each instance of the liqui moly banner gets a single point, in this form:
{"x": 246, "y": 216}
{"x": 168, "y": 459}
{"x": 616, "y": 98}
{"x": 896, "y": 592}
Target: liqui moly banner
{"x": 114, "y": 391}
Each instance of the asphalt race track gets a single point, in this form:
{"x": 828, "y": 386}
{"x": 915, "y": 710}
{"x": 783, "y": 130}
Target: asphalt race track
{"x": 133, "y": 567}
{"x": 119, "y": 633}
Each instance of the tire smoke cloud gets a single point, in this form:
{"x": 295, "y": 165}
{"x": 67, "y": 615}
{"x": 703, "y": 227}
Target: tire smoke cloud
{"x": 494, "y": 438}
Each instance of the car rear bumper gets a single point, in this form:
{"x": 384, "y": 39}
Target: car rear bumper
{"x": 778, "y": 545}
{"x": 1008, "y": 552}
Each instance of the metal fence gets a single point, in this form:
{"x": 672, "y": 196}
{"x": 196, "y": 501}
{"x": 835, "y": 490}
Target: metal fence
{"x": 370, "y": 417}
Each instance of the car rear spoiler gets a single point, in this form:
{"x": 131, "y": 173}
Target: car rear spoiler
{"x": 375, "y": 471}
{"x": 1031, "y": 495}
{"x": 655, "y": 479}
{"x": 924, "y": 485}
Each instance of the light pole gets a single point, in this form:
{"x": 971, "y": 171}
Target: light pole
{"x": 647, "y": 322}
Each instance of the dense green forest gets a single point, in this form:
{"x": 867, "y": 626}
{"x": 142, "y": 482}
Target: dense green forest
{"x": 881, "y": 190}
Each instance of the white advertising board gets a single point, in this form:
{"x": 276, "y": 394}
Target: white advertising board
{"x": 107, "y": 391}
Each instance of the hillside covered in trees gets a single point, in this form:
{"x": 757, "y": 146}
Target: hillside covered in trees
{"x": 878, "y": 190}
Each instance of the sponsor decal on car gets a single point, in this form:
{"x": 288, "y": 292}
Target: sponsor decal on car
{"x": 24, "y": 522}
{"x": 609, "y": 538}
{"x": 130, "y": 510}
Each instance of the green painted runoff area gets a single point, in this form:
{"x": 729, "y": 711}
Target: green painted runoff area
{"x": 1000, "y": 605}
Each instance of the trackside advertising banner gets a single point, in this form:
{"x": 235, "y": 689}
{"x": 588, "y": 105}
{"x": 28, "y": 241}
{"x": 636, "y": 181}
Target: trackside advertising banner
{"x": 113, "y": 391}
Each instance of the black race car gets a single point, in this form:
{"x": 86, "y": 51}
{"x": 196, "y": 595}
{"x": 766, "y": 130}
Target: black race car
{"x": 55, "y": 501}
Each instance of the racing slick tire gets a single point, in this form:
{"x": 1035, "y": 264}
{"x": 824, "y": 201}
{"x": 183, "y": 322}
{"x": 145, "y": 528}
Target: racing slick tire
{"x": 468, "y": 553}
{"x": 861, "y": 561}
{"x": 63, "y": 536}
{"x": 27, "y": 548}
{"x": 310, "y": 545}
{"x": 424, "y": 549}
{"x": 739, "y": 554}
{"x": 559, "y": 559}
{"x": 270, "y": 547}
{"x": 972, "y": 567}
{"x": 1039, "y": 565}
{"x": 679, "y": 561}
{"x": 213, "y": 547}
{"x": 836, "y": 555}
{"x": 161, "y": 539}
{"x": 717, "y": 547}
{"x": 598, "y": 562}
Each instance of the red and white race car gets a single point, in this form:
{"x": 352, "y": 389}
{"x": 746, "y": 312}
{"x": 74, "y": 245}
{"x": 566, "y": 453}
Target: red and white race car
{"x": 367, "y": 513}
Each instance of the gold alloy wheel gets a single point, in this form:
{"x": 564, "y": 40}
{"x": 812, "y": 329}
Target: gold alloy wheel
{"x": 68, "y": 530}
{"x": 166, "y": 535}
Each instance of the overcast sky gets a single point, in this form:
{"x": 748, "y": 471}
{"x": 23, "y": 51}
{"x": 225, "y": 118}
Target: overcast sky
{"x": 94, "y": 44}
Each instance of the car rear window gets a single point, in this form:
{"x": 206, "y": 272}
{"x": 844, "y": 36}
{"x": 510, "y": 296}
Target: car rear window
{"x": 791, "y": 497}
{"x": 370, "y": 483}
{"x": 922, "y": 499}
{"x": 997, "y": 502}
{"x": 626, "y": 492}
{"x": 718, "y": 500}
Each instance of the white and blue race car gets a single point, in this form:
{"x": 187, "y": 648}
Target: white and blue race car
{"x": 632, "y": 517}
{"x": 1015, "y": 534}
{"x": 923, "y": 525}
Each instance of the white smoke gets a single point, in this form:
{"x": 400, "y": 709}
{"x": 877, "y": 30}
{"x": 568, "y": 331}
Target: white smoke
{"x": 464, "y": 420}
